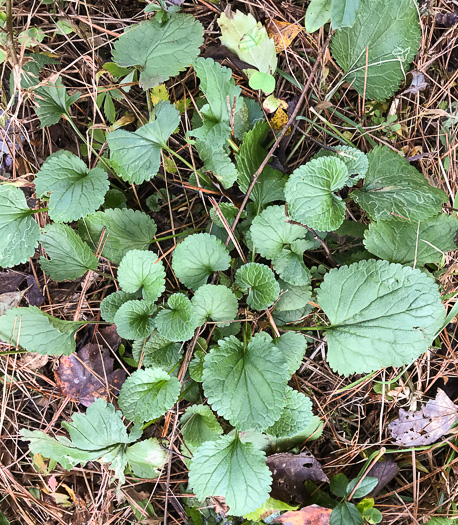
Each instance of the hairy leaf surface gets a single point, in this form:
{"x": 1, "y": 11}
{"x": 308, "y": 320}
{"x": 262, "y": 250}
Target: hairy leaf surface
{"x": 198, "y": 425}
{"x": 246, "y": 384}
{"x": 390, "y": 32}
{"x": 232, "y": 469}
{"x": 295, "y": 417}
{"x": 52, "y": 101}
{"x": 157, "y": 352}
{"x": 215, "y": 302}
{"x": 135, "y": 319}
{"x": 381, "y": 315}
{"x": 259, "y": 282}
{"x": 179, "y": 320}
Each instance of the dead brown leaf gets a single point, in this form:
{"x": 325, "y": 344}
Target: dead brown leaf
{"x": 290, "y": 471}
{"x": 311, "y": 515}
{"x": 282, "y": 33}
{"x": 88, "y": 374}
{"x": 384, "y": 471}
{"x": 427, "y": 425}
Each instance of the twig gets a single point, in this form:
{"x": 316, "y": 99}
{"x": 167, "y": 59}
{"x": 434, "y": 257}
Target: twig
{"x": 279, "y": 138}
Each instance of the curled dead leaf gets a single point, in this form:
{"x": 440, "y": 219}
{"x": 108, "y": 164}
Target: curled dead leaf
{"x": 311, "y": 515}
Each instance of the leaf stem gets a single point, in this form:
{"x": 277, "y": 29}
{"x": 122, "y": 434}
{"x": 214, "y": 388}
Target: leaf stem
{"x": 305, "y": 328}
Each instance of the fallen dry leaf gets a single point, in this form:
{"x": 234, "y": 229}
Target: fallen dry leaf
{"x": 311, "y": 515}
{"x": 10, "y": 281}
{"x": 34, "y": 295}
{"x": 418, "y": 83}
{"x": 9, "y": 300}
{"x": 279, "y": 120}
{"x": 427, "y": 425}
{"x": 290, "y": 471}
{"x": 282, "y": 33}
{"x": 384, "y": 471}
{"x": 88, "y": 375}
{"x": 33, "y": 361}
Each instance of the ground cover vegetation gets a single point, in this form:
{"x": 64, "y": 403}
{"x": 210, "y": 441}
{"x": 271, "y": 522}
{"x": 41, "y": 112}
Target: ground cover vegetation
{"x": 227, "y": 252}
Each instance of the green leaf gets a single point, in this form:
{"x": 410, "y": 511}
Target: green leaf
{"x": 355, "y": 160}
{"x": 157, "y": 352}
{"x": 148, "y": 394}
{"x": 366, "y": 486}
{"x": 125, "y": 230}
{"x": 196, "y": 366}
{"x": 75, "y": 190}
{"x": 381, "y": 315}
{"x": 199, "y": 425}
{"x": 343, "y": 13}
{"x": 270, "y": 184}
{"x": 178, "y": 321}
{"x": 293, "y": 297}
{"x": 376, "y": 51}
{"x": 197, "y": 257}
{"x": 217, "y": 161}
{"x": 295, "y": 417}
{"x": 232, "y": 469}
{"x": 146, "y": 458}
{"x": 96, "y": 435}
{"x": 291, "y": 268}
{"x": 394, "y": 187}
{"x": 271, "y": 232}
{"x": 19, "y": 232}
{"x": 162, "y": 50}
{"x": 259, "y": 281}
{"x": 217, "y": 85}
{"x": 263, "y": 81}
{"x": 52, "y": 101}
{"x": 412, "y": 242}
{"x": 136, "y": 156}
{"x": 246, "y": 383}
{"x": 310, "y": 195}
{"x": 318, "y": 13}
{"x": 292, "y": 346}
{"x": 345, "y": 514}
{"x": 248, "y": 39}
{"x": 271, "y": 506}
{"x": 135, "y": 319}
{"x": 35, "y": 331}
{"x": 141, "y": 270}
{"x": 112, "y": 303}
{"x": 338, "y": 485}
{"x": 114, "y": 199}
{"x": 215, "y": 302}
{"x": 70, "y": 257}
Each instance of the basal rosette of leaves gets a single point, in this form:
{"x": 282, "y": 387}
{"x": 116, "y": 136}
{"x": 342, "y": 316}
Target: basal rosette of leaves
{"x": 380, "y": 312}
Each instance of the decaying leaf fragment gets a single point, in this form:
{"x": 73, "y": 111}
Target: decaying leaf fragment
{"x": 311, "y": 515}
{"x": 88, "y": 375}
{"x": 282, "y": 33}
{"x": 290, "y": 471}
{"x": 427, "y": 425}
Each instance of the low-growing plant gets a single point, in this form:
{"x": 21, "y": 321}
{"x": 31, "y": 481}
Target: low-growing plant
{"x": 383, "y": 310}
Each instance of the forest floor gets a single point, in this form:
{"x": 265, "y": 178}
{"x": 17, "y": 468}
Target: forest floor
{"x": 355, "y": 413}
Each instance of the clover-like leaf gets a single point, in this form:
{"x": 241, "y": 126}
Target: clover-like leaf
{"x": 155, "y": 351}
{"x": 292, "y": 346}
{"x": 135, "y": 319}
{"x": 355, "y": 160}
{"x": 197, "y": 257}
{"x": 381, "y": 315}
{"x": 75, "y": 190}
{"x": 259, "y": 281}
{"x": 35, "y": 331}
{"x": 161, "y": 49}
{"x": 293, "y": 297}
{"x": 136, "y": 156}
{"x": 146, "y": 458}
{"x": 198, "y": 425}
{"x": 310, "y": 193}
{"x": 412, "y": 242}
{"x": 395, "y": 188}
{"x": 246, "y": 383}
{"x": 141, "y": 270}
{"x": 125, "y": 229}
{"x": 215, "y": 302}
{"x": 99, "y": 434}
{"x": 52, "y": 102}
{"x": 148, "y": 394}
{"x": 19, "y": 232}
{"x": 295, "y": 417}
{"x": 271, "y": 182}
{"x": 234, "y": 470}
{"x": 179, "y": 320}
{"x": 111, "y": 304}
{"x": 376, "y": 51}
{"x": 70, "y": 257}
